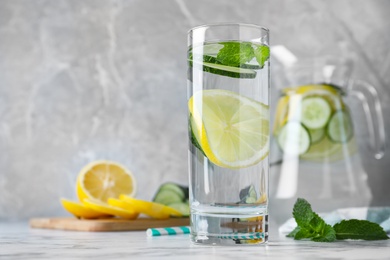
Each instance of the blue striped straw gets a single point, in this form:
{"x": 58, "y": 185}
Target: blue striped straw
{"x": 152, "y": 232}
{"x": 253, "y": 235}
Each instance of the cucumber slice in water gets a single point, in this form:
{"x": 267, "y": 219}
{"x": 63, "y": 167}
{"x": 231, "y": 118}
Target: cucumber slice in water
{"x": 248, "y": 195}
{"x": 223, "y": 70}
{"x": 316, "y": 112}
{"x": 316, "y": 135}
{"x": 340, "y": 128}
{"x": 294, "y": 139}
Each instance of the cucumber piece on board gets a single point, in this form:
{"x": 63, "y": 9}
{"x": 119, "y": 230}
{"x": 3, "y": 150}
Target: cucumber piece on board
{"x": 167, "y": 197}
{"x": 171, "y": 193}
{"x": 182, "y": 207}
{"x": 182, "y": 191}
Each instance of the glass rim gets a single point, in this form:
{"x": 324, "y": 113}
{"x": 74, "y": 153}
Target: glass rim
{"x": 248, "y": 25}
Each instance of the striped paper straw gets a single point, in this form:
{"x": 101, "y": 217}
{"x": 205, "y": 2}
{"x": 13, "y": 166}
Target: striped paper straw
{"x": 252, "y": 235}
{"x": 152, "y": 232}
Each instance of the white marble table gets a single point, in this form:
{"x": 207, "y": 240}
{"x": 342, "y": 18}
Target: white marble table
{"x": 17, "y": 241}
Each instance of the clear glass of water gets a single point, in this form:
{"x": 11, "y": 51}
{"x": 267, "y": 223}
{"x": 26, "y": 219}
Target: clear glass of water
{"x": 229, "y": 133}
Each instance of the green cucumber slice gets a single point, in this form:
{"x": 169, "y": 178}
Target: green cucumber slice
{"x": 316, "y": 112}
{"x": 183, "y": 208}
{"x": 248, "y": 195}
{"x": 253, "y": 65}
{"x": 170, "y": 192}
{"x": 294, "y": 139}
{"x": 180, "y": 190}
{"x": 233, "y": 72}
{"x": 316, "y": 135}
{"x": 167, "y": 197}
{"x": 340, "y": 128}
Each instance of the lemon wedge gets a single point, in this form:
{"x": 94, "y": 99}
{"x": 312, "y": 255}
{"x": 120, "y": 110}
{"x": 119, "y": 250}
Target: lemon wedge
{"x": 102, "y": 207}
{"x": 81, "y": 211}
{"x": 101, "y": 180}
{"x": 152, "y": 209}
{"x": 232, "y": 130}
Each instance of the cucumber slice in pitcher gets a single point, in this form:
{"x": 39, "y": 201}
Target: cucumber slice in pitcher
{"x": 340, "y": 128}
{"x": 316, "y": 112}
{"x": 294, "y": 139}
{"x": 316, "y": 135}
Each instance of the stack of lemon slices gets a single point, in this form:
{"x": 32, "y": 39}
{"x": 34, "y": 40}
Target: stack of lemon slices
{"x": 107, "y": 189}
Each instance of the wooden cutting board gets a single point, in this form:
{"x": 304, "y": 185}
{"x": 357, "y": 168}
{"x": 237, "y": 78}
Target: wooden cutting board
{"x": 101, "y": 225}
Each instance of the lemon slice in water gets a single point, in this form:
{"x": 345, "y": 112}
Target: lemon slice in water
{"x": 232, "y": 130}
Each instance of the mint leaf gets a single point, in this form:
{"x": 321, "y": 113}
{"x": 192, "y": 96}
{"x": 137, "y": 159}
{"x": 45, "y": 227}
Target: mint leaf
{"x": 262, "y": 54}
{"x": 292, "y": 233}
{"x": 302, "y": 212}
{"x": 310, "y": 224}
{"x": 359, "y": 229}
{"x": 235, "y": 53}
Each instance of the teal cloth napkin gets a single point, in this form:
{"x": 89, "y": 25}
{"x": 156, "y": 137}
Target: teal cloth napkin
{"x": 380, "y": 215}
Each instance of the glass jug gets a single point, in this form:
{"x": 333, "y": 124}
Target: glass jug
{"x": 314, "y": 150}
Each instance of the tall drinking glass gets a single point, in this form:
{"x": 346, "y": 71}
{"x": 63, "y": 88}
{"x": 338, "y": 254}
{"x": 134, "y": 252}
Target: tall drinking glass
{"x": 228, "y": 126}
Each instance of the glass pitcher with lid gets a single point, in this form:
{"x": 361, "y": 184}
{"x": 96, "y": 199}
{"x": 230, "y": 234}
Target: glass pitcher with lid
{"x": 315, "y": 154}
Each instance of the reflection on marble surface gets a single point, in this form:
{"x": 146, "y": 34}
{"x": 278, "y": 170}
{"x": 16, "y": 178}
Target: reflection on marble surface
{"x": 97, "y": 79}
{"x": 19, "y": 242}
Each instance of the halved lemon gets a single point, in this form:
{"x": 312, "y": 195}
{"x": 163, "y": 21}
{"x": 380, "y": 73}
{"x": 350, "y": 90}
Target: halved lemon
{"x": 100, "y": 206}
{"x": 81, "y": 211}
{"x": 101, "y": 180}
{"x": 232, "y": 130}
{"x": 152, "y": 209}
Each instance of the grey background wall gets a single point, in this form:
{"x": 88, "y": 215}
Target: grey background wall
{"x": 98, "y": 79}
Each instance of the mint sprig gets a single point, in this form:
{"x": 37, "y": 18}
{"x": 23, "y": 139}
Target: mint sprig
{"x": 235, "y": 53}
{"x": 312, "y": 226}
